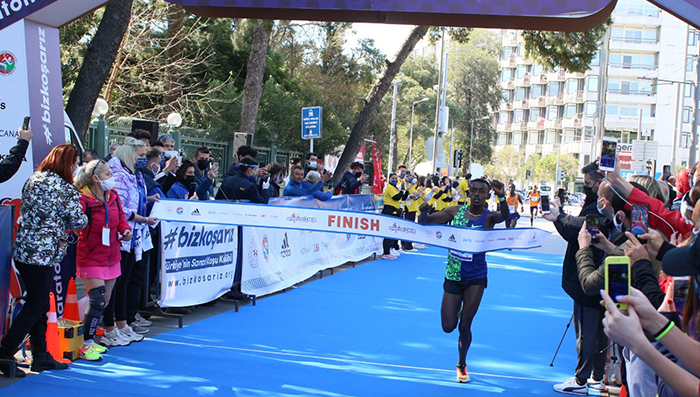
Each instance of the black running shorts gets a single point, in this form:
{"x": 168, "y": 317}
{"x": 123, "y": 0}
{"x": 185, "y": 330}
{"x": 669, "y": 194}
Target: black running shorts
{"x": 458, "y": 287}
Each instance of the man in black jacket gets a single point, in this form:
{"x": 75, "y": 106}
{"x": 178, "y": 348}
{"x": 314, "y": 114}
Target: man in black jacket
{"x": 588, "y": 313}
{"x": 352, "y": 180}
{"x": 11, "y": 163}
{"x": 241, "y": 186}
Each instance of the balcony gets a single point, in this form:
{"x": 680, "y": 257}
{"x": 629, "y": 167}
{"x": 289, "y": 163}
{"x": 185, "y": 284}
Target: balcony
{"x": 631, "y": 70}
{"x": 615, "y": 122}
{"x": 634, "y": 18}
{"x": 507, "y": 85}
{"x": 641, "y": 45}
{"x": 520, "y": 125}
{"x": 535, "y": 125}
{"x": 506, "y": 105}
{"x": 556, "y": 76}
{"x": 509, "y": 62}
{"x": 524, "y": 61}
{"x": 538, "y": 102}
{"x": 523, "y": 82}
{"x": 572, "y": 123}
{"x": 510, "y": 40}
{"x": 505, "y": 127}
{"x": 541, "y": 79}
{"x": 553, "y": 124}
{"x": 555, "y": 100}
{"x": 521, "y": 104}
{"x": 576, "y": 97}
{"x": 627, "y": 96}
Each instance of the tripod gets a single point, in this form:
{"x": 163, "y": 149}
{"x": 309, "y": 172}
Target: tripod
{"x": 562, "y": 340}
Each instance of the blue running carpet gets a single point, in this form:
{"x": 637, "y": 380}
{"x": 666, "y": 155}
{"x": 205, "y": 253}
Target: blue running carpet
{"x": 369, "y": 331}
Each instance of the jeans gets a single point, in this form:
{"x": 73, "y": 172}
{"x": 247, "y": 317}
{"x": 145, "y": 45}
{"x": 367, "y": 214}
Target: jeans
{"x": 32, "y": 318}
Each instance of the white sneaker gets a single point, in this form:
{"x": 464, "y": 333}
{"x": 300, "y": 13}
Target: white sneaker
{"x": 129, "y": 334}
{"x": 572, "y": 387}
{"x": 420, "y": 246}
{"x": 596, "y": 385}
{"x": 140, "y": 321}
{"x": 114, "y": 338}
{"x": 394, "y": 252}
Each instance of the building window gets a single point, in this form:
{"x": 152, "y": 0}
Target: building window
{"x": 592, "y": 83}
{"x": 536, "y": 114}
{"x": 690, "y": 64}
{"x": 507, "y": 95}
{"x": 685, "y": 140}
{"x": 522, "y": 70}
{"x": 504, "y": 117}
{"x": 687, "y": 114}
{"x": 554, "y": 89}
{"x": 518, "y": 116}
{"x": 508, "y": 74}
{"x": 522, "y": 93}
{"x": 508, "y": 52}
{"x": 627, "y": 86}
{"x": 552, "y": 112}
{"x": 590, "y": 108}
{"x": 688, "y": 89}
{"x": 570, "y": 111}
{"x": 596, "y": 59}
{"x": 692, "y": 37}
{"x": 537, "y": 91}
{"x": 537, "y": 69}
{"x": 574, "y": 85}
{"x": 633, "y": 60}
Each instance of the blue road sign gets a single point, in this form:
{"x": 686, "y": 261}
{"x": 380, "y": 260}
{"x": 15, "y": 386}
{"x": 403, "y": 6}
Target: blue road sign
{"x": 311, "y": 122}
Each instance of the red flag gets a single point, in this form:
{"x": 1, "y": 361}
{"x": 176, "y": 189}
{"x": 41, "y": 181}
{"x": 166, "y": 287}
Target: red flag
{"x": 378, "y": 181}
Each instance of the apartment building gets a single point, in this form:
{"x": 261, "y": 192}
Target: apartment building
{"x": 641, "y": 84}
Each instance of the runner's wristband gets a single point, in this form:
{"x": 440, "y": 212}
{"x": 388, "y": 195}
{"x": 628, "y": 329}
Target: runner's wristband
{"x": 665, "y": 330}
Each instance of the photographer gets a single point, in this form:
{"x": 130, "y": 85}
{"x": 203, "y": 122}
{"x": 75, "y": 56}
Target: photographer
{"x": 11, "y": 163}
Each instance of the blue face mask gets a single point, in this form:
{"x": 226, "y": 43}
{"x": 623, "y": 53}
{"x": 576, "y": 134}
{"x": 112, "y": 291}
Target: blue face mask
{"x": 141, "y": 163}
{"x": 403, "y": 175}
{"x": 251, "y": 178}
{"x": 393, "y": 182}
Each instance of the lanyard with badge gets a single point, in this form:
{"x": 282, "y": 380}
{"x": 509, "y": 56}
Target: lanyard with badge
{"x": 105, "y": 229}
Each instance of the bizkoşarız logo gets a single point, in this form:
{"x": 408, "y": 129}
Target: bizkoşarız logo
{"x": 8, "y": 63}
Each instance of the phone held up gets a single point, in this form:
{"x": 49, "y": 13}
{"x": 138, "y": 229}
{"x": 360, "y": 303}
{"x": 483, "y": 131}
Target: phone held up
{"x": 607, "y": 155}
{"x": 25, "y": 124}
{"x": 640, "y": 219}
{"x": 617, "y": 278}
{"x": 593, "y": 225}
{"x": 544, "y": 203}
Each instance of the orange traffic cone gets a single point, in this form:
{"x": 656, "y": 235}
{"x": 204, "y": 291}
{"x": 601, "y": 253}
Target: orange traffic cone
{"x": 52, "y": 344}
{"x": 71, "y": 311}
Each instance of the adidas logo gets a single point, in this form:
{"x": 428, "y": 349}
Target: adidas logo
{"x": 196, "y": 212}
{"x": 452, "y": 238}
{"x": 286, "y": 251}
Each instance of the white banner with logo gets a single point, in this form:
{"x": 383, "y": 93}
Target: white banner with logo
{"x": 351, "y": 222}
{"x": 198, "y": 262}
{"x": 275, "y": 259}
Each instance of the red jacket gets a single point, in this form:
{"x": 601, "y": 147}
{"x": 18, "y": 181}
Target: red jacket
{"x": 91, "y": 252}
{"x": 674, "y": 218}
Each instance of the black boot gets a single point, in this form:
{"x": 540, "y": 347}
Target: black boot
{"x": 44, "y": 361}
{"x": 8, "y": 363}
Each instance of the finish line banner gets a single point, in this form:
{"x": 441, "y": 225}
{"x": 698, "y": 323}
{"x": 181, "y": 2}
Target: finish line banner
{"x": 338, "y": 221}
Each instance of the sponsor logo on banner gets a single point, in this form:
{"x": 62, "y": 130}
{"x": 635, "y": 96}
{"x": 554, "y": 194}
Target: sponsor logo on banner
{"x": 253, "y": 261}
{"x": 303, "y": 219}
{"x": 179, "y": 210}
{"x": 438, "y": 234}
{"x": 304, "y": 250}
{"x": 353, "y": 222}
{"x": 452, "y": 239}
{"x": 396, "y": 229}
{"x": 196, "y": 212}
{"x": 8, "y": 63}
{"x": 286, "y": 250}
{"x": 266, "y": 248}
{"x": 317, "y": 247}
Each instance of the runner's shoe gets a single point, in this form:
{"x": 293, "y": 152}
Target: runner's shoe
{"x": 114, "y": 338}
{"x": 129, "y": 334}
{"x": 462, "y": 375}
{"x": 142, "y": 321}
{"x": 571, "y": 386}
{"x": 389, "y": 257}
{"x": 88, "y": 352}
{"x": 99, "y": 348}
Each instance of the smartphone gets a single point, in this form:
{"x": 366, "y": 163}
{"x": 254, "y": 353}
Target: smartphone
{"x": 680, "y": 292}
{"x": 593, "y": 225}
{"x": 617, "y": 278}
{"x": 607, "y": 155}
{"x": 192, "y": 188}
{"x": 544, "y": 203}
{"x": 666, "y": 172}
{"x": 640, "y": 219}
{"x": 173, "y": 153}
{"x": 25, "y": 125}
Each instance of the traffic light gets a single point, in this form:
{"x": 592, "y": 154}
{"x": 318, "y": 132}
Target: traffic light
{"x": 527, "y": 174}
{"x": 561, "y": 175}
{"x": 457, "y": 158}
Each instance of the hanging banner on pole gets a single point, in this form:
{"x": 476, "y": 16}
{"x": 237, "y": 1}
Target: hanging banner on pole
{"x": 198, "y": 262}
{"x": 338, "y": 221}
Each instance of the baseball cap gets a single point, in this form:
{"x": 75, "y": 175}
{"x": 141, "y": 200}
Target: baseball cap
{"x": 357, "y": 164}
{"x": 683, "y": 261}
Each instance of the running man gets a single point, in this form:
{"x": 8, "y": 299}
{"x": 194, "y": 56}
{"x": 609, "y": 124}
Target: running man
{"x": 465, "y": 276}
{"x": 514, "y": 202}
{"x": 534, "y": 197}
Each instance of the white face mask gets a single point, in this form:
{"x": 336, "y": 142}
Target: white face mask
{"x": 312, "y": 164}
{"x": 157, "y": 170}
{"x": 107, "y": 184}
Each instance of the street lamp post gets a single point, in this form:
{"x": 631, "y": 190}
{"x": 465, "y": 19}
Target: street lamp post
{"x": 410, "y": 139}
{"x": 393, "y": 129}
{"x": 443, "y": 103}
{"x": 471, "y": 139}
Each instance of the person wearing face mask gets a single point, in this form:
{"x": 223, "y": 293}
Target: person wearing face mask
{"x": 241, "y": 186}
{"x": 275, "y": 171}
{"x": 127, "y": 166}
{"x": 152, "y": 168}
{"x": 50, "y": 207}
{"x": 353, "y": 179}
{"x": 98, "y": 256}
{"x": 204, "y": 173}
{"x": 184, "y": 182}
{"x": 393, "y": 194}
{"x": 311, "y": 163}
{"x": 590, "y": 340}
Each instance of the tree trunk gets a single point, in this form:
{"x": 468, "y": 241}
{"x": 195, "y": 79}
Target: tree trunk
{"x": 97, "y": 63}
{"x": 257, "y": 62}
{"x": 374, "y": 99}
{"x": 176, "y": 19}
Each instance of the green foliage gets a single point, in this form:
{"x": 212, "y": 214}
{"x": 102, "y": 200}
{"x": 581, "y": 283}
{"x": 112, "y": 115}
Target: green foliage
{"x": 530, "y": 164}
{"x": 545, "y": 169}
{"x": 570, "y": 51}
{"x": 506, "y": 165}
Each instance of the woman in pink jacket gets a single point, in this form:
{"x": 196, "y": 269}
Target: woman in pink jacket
{"x": 98, "y": 256}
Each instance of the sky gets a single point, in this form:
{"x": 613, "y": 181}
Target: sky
{"x": 388, "y": 38}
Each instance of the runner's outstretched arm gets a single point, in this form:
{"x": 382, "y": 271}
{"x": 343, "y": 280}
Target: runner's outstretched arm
{"x": 504, "y": 212}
